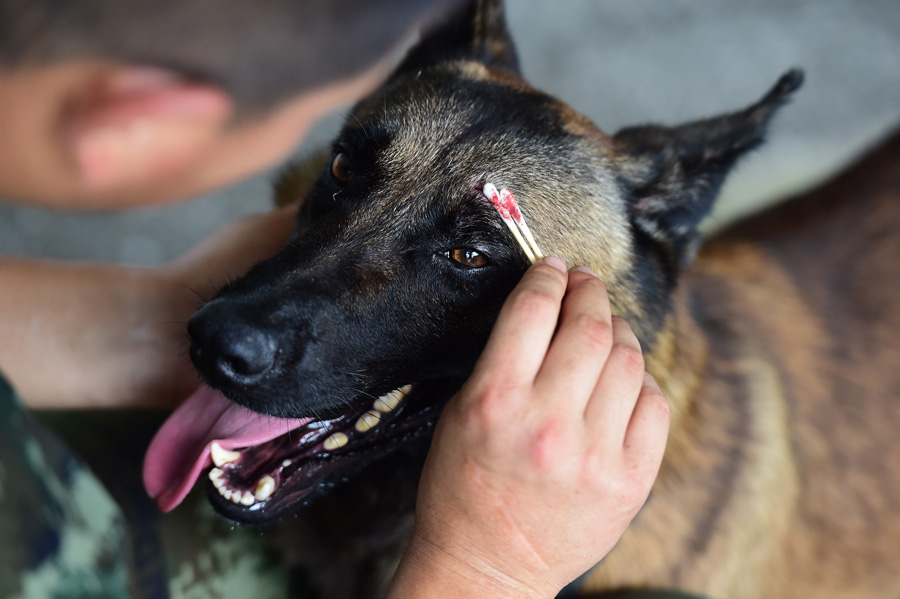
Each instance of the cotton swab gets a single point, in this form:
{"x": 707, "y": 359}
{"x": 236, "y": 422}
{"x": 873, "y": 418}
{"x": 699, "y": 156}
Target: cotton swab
{"x": 505, "y": 204}
{"x": 509, "y": 202}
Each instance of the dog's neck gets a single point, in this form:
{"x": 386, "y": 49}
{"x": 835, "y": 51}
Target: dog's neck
{"x": 678, "y": 357}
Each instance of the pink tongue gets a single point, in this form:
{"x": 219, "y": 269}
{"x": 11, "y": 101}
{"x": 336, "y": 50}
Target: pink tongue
{"x": 180, "y": 450}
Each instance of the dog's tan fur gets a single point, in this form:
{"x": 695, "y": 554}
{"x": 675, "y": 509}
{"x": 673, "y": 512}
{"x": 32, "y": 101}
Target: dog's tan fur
{"x": 782, "y": 474}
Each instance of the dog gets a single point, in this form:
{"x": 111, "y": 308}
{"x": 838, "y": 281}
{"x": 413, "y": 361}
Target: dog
{"x": 776, "y": 342}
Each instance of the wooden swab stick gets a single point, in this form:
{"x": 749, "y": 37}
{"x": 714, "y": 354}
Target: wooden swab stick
{"x": 491, "y": 193}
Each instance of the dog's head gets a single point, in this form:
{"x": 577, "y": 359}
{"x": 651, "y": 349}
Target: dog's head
{"x": 375, "y": 311}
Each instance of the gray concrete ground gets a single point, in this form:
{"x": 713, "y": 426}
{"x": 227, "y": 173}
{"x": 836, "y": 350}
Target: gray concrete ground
{"x": 620, "y": 62}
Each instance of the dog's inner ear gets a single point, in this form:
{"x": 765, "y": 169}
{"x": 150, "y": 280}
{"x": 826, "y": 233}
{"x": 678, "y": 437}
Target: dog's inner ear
{"x": 476, "y": 30}
{"x": 673, "y": 174}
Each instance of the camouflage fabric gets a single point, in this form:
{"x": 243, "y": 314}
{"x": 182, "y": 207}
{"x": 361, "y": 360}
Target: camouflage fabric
{"x": 75, "y": 522}
{"x": 61, "y": 535}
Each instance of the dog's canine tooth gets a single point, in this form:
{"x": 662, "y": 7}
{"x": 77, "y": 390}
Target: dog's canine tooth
{"x": 221, "y": 456}
{"x": 368, "y": 421}
{"x": 264, "y": 488}
{"x": 248, "y": 499}
{"x": 335, "y": 441}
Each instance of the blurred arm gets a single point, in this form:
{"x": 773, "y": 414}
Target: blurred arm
{"x": 90, "y": 335}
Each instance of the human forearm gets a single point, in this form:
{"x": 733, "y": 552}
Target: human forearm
{"x": 89, "y": 335}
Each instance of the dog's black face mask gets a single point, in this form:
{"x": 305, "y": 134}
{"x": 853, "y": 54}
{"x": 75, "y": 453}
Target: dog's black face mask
{"x": 399, "y": 265}
{"x": 393, "y": 277}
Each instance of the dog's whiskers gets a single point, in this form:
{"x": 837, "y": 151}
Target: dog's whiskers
{"x": 195, "y": 294}
{"x": 363, "y": 127}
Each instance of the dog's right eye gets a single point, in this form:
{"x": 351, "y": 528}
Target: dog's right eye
{"x": 466, "y": 257}
{"x": 340, "y": 168}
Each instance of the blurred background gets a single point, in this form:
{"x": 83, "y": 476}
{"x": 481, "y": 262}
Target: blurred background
{"x": 620, "y": 62}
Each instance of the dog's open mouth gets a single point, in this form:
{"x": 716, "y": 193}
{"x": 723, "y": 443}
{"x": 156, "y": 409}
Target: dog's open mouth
{"x": 260, "y": 468}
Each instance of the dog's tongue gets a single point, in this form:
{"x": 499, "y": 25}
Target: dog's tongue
{"x": 180, "y": 450}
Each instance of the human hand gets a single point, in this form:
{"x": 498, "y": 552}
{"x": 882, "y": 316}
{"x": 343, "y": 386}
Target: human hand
{"x": 546, "y": 454}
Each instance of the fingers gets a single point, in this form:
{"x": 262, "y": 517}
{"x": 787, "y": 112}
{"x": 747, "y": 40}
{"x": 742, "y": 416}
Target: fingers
{"x": 613, "y": 400}
{"x": 526, "y": 323}
{"x": 648, "y": 427}
{"x": 581, "y": 345}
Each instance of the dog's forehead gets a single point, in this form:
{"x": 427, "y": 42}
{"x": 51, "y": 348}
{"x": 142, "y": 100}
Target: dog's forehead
{"x": 450, "y": 127}
{"x": 454, "y": 115}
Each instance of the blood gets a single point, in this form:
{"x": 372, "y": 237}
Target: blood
{"x": 509, "y": 202}
{"x": 496, "y": 200}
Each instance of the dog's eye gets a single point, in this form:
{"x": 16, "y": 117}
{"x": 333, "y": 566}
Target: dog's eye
{"x": 340, "y": 168}
{"x": 470, "y": 258}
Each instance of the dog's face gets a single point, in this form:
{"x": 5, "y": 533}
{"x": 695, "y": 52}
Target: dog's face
{"x": 399, "y": 265}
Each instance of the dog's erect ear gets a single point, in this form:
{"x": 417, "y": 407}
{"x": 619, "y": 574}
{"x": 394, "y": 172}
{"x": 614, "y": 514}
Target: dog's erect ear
{"x": 673, "y": 175}
{"x": 476, "y": 30}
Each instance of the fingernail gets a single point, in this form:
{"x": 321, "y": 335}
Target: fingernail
{"x": 585, "y": 269}
{"x": 555, "y": 262}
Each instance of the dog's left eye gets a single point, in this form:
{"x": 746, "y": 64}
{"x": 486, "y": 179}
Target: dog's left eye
{"x": 466, "y": 257}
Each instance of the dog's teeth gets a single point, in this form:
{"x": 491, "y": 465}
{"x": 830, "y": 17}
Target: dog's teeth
{"x": 264, "y": 488}
{"x": 215, "y": 475}
{"x": 286, "y": 463}
{"x": 221, "y": 456}
{"x": 388, "y": 402}
{"x": 368, "y": 421}
{"x": 248, "y": 499}
{"x": 335, "y": 441}
{"x": 404, "y": 390}
{"x": 226, "y": 493}
{"x": 236, "y": 497}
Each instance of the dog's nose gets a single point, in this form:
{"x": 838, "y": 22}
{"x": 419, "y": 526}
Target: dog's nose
{"x": 229, "y": 349}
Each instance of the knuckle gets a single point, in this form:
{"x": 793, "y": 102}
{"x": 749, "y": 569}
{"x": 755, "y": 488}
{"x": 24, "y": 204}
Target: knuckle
{"x": 489, "y": 406}
{"x": 547, "y": 444}
{"x": 596, "y": 330}
{"x": 658, "y": 400}
{"x": 632, "y": 358}
{"x": 534, "y": 299}
{"x": 597, "y": 284}
{"x": 542, "y": 269}
{"x": 621, "y": 323}
{"x": 631, "y": 490}
{"x": 626, "y": 482}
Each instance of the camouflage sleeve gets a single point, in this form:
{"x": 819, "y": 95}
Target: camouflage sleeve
{"x": 61, "y": 535}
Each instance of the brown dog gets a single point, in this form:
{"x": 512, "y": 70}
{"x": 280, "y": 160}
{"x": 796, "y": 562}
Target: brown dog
{"x": 777, "y": 344}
